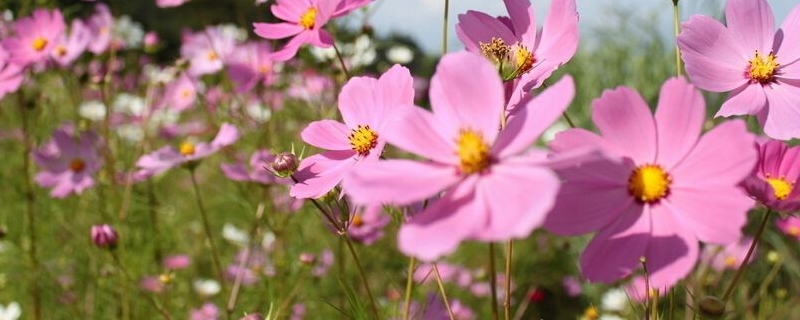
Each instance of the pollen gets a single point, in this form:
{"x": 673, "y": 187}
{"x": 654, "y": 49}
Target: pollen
{"x": 363, "y": 139}
{"x": 186, "y": 149}
{"x": 780, "y": 187}
{"x": 793, "y": 231}
{"x": 357, "y": 221}
{"x": 730, "y": 261}
{"x": 649, "y": 183}
{"x": 308, "y": 18}
{"x": 472, "y": 152}
{"x": 762, "y": 69}
{"x": 39, "y": 43}
{"x": 211, "y": 55}
{"x": 523, "y": 59}
{"x": 496, "y": 50}
{"x": 77, "y": 165}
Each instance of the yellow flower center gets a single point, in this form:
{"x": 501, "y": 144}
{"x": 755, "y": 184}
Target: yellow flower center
{"x": 730, "y": 261}
{"x": 780, "y": 187}
{"x": 472, "y": 152}
{"x": 357, "y": 221}
{"x": 762, "y": 69}
{"x": 511, "y": 61}
{"x": 77, "y": 165}
{"x": 649, "y": 183}
{"x": 212, "y": 56}
{"x": 793, "y": 231}
{"x": 591, "y": 313}
{"x": 496, "y": 50}
{"x": 308, "y": 18}
{"x": 186, "y": 93}
{"x": 39, "y": 43}
{"x": 363, "y": 139}
{"x": 186, "y": 149}
{"x": 523, "y": 59}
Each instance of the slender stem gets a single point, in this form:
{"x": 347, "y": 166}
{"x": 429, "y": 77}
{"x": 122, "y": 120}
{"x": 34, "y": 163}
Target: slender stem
{"x": 569, "y": 120}
{"x": 740, "y": 272}
{"x": 164, "y": 313}
{"x": 442, "y": 292}
{"x": 362, "y": 274}
{"x": 207, "y": 229}
{"x": 493, "y": 282}
{"x": 240, "y": 271}
{"x": 341, "y": 61}
{"x": 409, "y": 286}
{"x": 444, "y": 26}
{"x": 30, "y": 207}
{"x": 676, "y": 23}
{"x": 507, "y": 285}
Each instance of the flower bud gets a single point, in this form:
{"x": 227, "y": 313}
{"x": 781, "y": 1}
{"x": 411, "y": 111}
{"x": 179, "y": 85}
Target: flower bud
{"x": 285, "y": 163}
{"x": 711, "y": 306}
{"x": 104, "y": 236}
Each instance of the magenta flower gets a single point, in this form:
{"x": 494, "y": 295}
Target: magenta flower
{"x": 68, "y": 162}
{"x": 208, "y": 311}
{"x": 366, "y": 225}
{"x": 729, "y": 256}
{"x": 11, "y": 75}
{"x": 167, "y": 157}
{"x": 70, "y": 47}
{"x": 778, "y": 171}
{"x": 790, "y": 226}
{"x": 170, "y": 3}
{"x": 516, "y": 47}
{"x": 207, "y": 50}
{"x": 251, "y": 64}
{"x": 34, "y": 37}
{"x": 256, "y": 171}
{"x": 669, "y": 188}
{"x": 365, "y": 104}
{"x": 176, "y": 262}
{"x": 304, "y": 20}
{"x": 748, "y": 58}
{"x": 492, "y": 191}
{"x": 104, "y": 236}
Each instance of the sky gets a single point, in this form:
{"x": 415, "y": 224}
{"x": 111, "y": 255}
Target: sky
{"x": 422, "y": 19}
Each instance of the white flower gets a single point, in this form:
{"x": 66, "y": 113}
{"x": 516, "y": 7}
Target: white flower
{"x": 400, "y": 54}
{"x": 258, "y": 112}
{"x": 93, "y": 110}
{"x": 130, "y": 132}
{"x": 129, "y": 32}
{"x": 322, "y": 54}
{"x": 362, "y": 52}
{"x": 615, "y": 300}
{"x": 158, "y": 75}
{"x": 206, "y": 287}
{"x": 610, "y": 317}
{"x": 11, "y": 312}
{"x": 233, "y": 32}
{"x": 128, "y": 103}
{"x": 235, "y": 235}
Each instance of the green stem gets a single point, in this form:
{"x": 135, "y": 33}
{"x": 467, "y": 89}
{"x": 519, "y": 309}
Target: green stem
{"x": 507, "y": 285}
{"x": 341, "y": 61}
{"x": 164, "y": 313}
{"x": 442, "y": 292}
{"x": 30, "y": 207}
{"x": 240, "y": 271}
{"x": 569, "y": 120}
{"x": 676, "y": 23}
{"x": 363, "y": 275}
{"x": 493, "y": 282}
{"x": 742, "y": 266}
{"x": 444, "y": 26}
{"x": 409, "y": 286}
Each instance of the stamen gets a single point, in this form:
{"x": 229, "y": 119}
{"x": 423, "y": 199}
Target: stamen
{"x": 649, "y": 183}
{"x": 762, "y": 69}
{"x": 363, "y": 139}
{"x": 77, "y": 165}
{"x": 186, "y": 149}
{"x": 308, "y": 18}
{"x": 472, "y": 151}
{"x": 39, "y": 43}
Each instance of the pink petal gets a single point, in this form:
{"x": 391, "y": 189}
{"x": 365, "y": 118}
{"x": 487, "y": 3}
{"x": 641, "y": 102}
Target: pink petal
{"x": 671, "y": 252}
{"x": 724, "y": 156}
{"x": 624, "y": 119}
{"x": 290, "y": 49}
{"x": 615, "y": 251}
{"x": 572, "y": 139}
{"x": 417, "y": 131}
{"x": 789, "y": 36}
{"x": 235, "y": 171}
{"x": 467, "y": 93}
{"x": 518, "y": 198}
{"x": 400, "y": 182}
{"x": 227, "y": 135}
{"x": 748, "y": 99}
{"x": 476, "y": 27}
{"x": 679, "y": 120}
{"x": 365, "y": 100}
{"x": 523, "y": 19}
{"x": 714, "y": 59}
{"x": 534, "y": 117}
{"x": 559, "y": 39}
{"x": 274, "y": 31}
{"x": 327, "y": 134}
{"x": 714, "y": 214}
{"x": 320, "y": 173}
{"x": 752, "y": 23}
{"x": 438, "y": 229}
{"x": 783, "y": 119}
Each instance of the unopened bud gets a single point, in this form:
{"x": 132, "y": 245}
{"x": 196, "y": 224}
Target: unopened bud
{"x": 104, "y": 236}
{"x": 711, "y": 306}
{"x": 285, "y": 163}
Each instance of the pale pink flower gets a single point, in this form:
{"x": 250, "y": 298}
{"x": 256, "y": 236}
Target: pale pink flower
{"x": 256, "y": 171}
{"x": 170, "y": 3}
{"x": 365, "y": 104}
{"x": 176, "y": 262}
{"x": 668, "y": 188}
{"x": 100, "y": 24}
{"x": 208, "y": 311}
{"x": 367, "y": 223}
{"x": 70, "y": 47}
{"x": 208, "y": 49}
{"x": 790, "y": 226}
{"x": 778, "y": 172}
{"x": 167, "y": 157}
{"x": 68, "y": 162}
{"x": 750, "y": 59}
{"x": 729, "y": 256}
{"x": 34, "y": 37}
{"x": 181, "y": 93}
{"x": 304, "y": 20}
{"x": 251, "y": 64}
{"x": 522, "y": 53}
{"x": 11, "y": 75}
{"x": 493, "y": 188}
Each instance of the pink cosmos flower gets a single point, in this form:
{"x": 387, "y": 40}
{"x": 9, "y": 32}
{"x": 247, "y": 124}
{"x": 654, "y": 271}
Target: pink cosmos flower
{"x": 250, "y": 64}
{"x": 304, "y": 22}
{"x": 521, "y": 52}
{"x": 69, "y": 48}
{"x": 68, "y": 162}
{"x": 748, "y": 58}
{"x": 256, "y": 171}
{"x": 790, "y": 226}
{"x": 100, "y": 24}
{"x": 778, "y": 171}
{"x": 167, "y": 157}
{"x": 366, "y": 225}
{"x": 176, "y": 262}
{"x": 181, "y": 93}
{"x": 492, "y": 191}
{"x": 208, "y": 49}
{"x": 729, "y": 256}
{"x": 365, "y": 103}
{"x": 34, "y": 37}
{"x": 170, "y": 3}
{"x": 208, "y": 311}
{"x": 668, "y": 189}
{"x": 11, "y": 75}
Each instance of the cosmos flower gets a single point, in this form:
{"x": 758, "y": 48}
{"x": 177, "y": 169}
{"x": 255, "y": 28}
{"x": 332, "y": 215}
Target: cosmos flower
{"x": 790, "y": 226}
{"x": 70, "y": 47}
{"x": 34, "y": 37}
{"x": 729, "y": 256}
{"x": 493, "y": 187}
{"x": 750, "y": 59}
{"x": 11, "y": 75}
{"x": 365, "y": 104}
{"x": 167, "y": 157}
{"x": 666, "y": 189}
{"x": 68, "y": 162}
{"x": 207, "y": 50}
{"x": 100, "y": 24}
{"x": 251, "y": 64}
{"x": 778, "y": 171}
{"x": 181, "y": 93}
{"x": 255, "y": 171}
